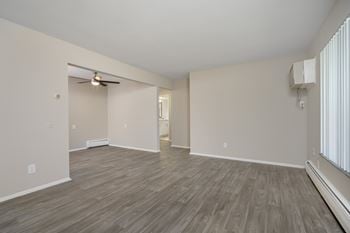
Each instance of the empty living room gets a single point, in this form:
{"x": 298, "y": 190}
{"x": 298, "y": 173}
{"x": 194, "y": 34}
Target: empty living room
{"x": 224, "y": 116}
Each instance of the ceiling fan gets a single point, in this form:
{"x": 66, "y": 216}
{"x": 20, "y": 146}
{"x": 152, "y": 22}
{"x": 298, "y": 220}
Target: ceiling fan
{"x": 96, "y": 81}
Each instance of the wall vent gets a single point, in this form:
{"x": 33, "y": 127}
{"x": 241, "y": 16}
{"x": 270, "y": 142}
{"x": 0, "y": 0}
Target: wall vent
{"x": 97, "y": 142}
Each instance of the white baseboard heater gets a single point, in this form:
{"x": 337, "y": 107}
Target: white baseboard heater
{"x": 97, "y": 142}
{"x": 336, "y": 202}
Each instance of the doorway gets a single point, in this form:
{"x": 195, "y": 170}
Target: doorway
{"x": 105, "y": 110}
{"x": 164, "y": 102}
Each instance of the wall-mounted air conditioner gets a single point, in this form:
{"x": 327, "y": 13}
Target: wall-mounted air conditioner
{"x": 303, "y": 74}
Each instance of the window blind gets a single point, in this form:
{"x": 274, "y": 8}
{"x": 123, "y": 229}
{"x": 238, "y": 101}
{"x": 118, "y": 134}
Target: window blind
{"x": 335, "y": 98}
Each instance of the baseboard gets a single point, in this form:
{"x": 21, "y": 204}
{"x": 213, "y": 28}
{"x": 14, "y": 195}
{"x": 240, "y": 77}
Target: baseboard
{"x": 335, "y": 200}
{"x": 178, "y": 146}
{"x": 248, "y": 160}
{"x": 135, "y": 148}
{"x": 78, "y": 149}
{"x": 31, "y": 190}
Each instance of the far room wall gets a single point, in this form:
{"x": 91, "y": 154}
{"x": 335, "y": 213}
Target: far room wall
{"x": 122, "y": 113}
{"x": 87, "y": 113}
{"x": 252, "y": 109}
{"x": 180, "y": 113}
{"x": 133, "y": 116}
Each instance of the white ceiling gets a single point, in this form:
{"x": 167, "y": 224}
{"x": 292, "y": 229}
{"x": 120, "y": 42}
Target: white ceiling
{"x": 174, "y": 37}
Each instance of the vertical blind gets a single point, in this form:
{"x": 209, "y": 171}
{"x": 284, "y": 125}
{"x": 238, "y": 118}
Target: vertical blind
{"x": 335, "y": 98}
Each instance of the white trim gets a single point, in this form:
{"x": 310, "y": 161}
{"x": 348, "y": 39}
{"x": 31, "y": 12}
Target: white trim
{"x": 31, "y": 190}
{"x": 78, "y": 149}
{"x": 135, "y": 148}
{"x": 248, "y": 160}
{"x": 178, "y": 146}
{"x": 335, "y": 200}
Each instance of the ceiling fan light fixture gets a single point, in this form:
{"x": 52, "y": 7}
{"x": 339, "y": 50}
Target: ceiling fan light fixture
{"x": 98, "y": 78}
{"x": 94, "y": 82}
{"x": 98, "y": 81}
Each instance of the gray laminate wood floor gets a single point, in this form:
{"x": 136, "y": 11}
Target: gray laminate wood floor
{"x": 120, "y": 190}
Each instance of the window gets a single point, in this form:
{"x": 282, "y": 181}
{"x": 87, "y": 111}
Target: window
{"x": 335, "y": 98}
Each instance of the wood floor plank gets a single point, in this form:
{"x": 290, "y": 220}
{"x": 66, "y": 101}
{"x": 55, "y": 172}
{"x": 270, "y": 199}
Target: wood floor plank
{"x": 129, "y": 191}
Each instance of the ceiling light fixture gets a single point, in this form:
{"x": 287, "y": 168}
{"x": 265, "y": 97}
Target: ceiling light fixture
{"x": 97, "y": 81}
{"x": 94, "y": 82}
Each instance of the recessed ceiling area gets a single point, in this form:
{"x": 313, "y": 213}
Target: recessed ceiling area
{"x": 172, "y": 38}
{"x": 78, "y": 72}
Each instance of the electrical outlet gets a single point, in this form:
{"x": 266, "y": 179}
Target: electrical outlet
{"x": 125, "y": 126}
{"x": 74, "y": 126}
{"x": 225, "y": 145}
{"x": 31, "y": 169}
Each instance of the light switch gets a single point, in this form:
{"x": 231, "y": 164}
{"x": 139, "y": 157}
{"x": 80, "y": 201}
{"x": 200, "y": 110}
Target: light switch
{"x": 31, "y": 169}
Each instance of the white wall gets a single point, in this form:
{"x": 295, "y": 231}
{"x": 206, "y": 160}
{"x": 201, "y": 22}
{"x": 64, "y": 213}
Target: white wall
{"x": 133, "y": 115}
{"x": 34, "y": 125}
{"x": 180, "y": 112}
{"x": 87, "y": 112}
{"x": 336, "y": 17}
{"x": 250, "y": 107}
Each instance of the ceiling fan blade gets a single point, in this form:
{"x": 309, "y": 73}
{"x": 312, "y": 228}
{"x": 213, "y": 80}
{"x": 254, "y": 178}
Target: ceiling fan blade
{"x": 102, "y": 84}
{"x": 87, "y": 81}
{"x": 109, "y": 82}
